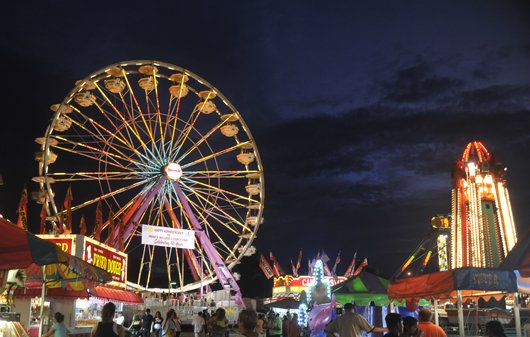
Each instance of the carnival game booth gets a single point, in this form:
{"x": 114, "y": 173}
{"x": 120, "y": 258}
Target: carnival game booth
{"x": 369, "y": 293}
{"x": 458, "y": 284}
{"x": 22, "y": 251}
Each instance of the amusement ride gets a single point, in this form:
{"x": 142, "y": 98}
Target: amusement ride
{"x": 156, "y": 145}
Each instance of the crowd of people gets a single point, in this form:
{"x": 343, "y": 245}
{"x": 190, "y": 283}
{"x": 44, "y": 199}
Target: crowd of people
{"x": 250, "y": 324}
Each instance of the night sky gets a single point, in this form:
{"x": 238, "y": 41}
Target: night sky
{"x": 359, "y": 108}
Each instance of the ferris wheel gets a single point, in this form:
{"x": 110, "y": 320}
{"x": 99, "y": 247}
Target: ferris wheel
{"x": 157, "y": 145}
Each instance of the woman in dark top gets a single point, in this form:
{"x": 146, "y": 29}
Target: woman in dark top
{"x": 107, "y": 327}
{"x": 157, "y": 324}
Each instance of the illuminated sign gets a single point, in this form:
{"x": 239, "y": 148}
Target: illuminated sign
{"x": 287, "y": 285}
{"x": 168, "y": 237}
{"x": 107, "y": 258}
{"x": 94, "y": 252}
{"x": 65, "y": 242}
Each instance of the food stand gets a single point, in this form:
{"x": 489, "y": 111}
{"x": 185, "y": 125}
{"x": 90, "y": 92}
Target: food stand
{"x": 50, "y": 267}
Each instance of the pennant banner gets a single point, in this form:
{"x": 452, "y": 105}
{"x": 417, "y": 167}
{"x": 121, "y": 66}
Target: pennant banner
{"x": 265, "y": 267}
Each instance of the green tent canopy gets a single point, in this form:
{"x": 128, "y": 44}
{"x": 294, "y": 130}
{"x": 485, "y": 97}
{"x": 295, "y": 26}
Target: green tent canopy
{"x": 364, "y": 289}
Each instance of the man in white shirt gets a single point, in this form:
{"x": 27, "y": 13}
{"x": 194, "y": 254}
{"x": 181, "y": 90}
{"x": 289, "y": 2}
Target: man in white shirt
{"x": 198, "y": 323}
{"x": 119, "y": 318}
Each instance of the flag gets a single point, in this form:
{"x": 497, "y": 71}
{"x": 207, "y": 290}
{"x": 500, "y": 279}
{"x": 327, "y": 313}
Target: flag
{"x": 298, "y": 263}
{"x": 43, "y": 219}
{"x": 67, "y": 205}
{"x": 351, "y": 267}
{"x": 119, "y": 241}
{"x": 361, "y": 266}
{"x": 337, "y": 261}
{"x": 309, "y": 267}
{"x": 293, "y": 268}
{"x": 22, "y": 220}
{"x": 98, "y": 227}
{"x": 324, "y": 257}
{"x": 265, "y": 267}
{"x": 276, "y": 266}
{"x": 110, "y": 229}
{"x": 60, "y": 230}
{"x": 327, "y": 272}
{"x": 82, "y": 225}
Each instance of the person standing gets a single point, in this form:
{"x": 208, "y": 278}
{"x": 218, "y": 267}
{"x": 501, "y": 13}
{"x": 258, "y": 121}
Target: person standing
{"x": 260, "y": 326}
{"x": 247, "y": 324}
{"x": 394, "y": 325}
{"x": 176, "y": 320}
{"x": 147, "y": 323}
{"x": 351, "y": 324}
{"x": 218, "y": 324}
{"x": 169, "y": 328}
{"x": 410, "y": 327}
{"x": 198, "y": 323}
{"x": 107, "y": 327}
{"x": 429, "y": 328}
{"x": 275, "y": 325}
{"x": 494, "y": 329}
{"x": 58, "y": 329}
{"x": 157, "y": 324}
{"x": 294, "y": 328}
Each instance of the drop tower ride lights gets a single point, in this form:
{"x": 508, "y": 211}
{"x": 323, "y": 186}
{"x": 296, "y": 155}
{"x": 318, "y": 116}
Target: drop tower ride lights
{"x": 482, "y": 226}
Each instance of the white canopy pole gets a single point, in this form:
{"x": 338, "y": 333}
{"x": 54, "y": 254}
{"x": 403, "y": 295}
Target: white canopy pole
{"x": 43, "y": 294}
{"x": 517, "y": 314}
{"x": 460, "y": 314}
{"x": 436, "y": 313}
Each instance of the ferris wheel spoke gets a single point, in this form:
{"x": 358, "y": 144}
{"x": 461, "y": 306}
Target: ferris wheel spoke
{"x": 110, "y": 194}
{"x": 96, "y": 176}
{"x": 117, "y": 111}
{"x": 212, "y": 187}
{"x": 147, "y": 127}
{"x": 223, "y": 212}
{"x": 98, "y": 137}
{"x": 181, "y": 139}
{"x": 177, "y": 108}
{"x": 202, "y": 140}
{"x": 114, "y": 164}
{"x": 92, "y": 149}
{"x": 208, "y": 191}
{"x": 216, "y": 154}
{"x": 98, "y": 126}
{"x": 209, "y": 174}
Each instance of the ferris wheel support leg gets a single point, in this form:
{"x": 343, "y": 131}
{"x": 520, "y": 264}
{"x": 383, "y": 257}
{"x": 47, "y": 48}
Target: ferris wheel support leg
{"x": 130, "y": 220}
{"x": 190, "y": 254}
{"x": 222, "y": 271}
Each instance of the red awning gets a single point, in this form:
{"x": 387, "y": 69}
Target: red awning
{"x": 50, "y": 293}
{"x": 116, "y": 294}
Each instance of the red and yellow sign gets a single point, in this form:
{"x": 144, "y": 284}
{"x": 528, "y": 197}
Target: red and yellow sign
{"x": 94, "y": 252}
{"x": 65, "y": 242}
{"x": 289, "y": 286}
{"x": 106, "y": 258}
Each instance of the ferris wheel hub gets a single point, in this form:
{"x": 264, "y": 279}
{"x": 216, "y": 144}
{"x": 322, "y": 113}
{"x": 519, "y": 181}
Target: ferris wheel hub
{"x": 173, "y": 171}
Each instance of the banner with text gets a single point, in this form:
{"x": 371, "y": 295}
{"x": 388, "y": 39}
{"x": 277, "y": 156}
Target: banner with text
{"x": 168, "y": 237}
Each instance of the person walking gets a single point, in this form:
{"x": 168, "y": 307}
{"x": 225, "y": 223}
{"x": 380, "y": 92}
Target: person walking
{"x": 176, "y": 320}
{"x": 294, "y": 328}
{"x": 198, "y": 323}
{"x": 147, "y": 323}
{"x": 429, "y": 328}
{"x": 351, "y": 324}
{"x": 169, "y": 328}
{"x": 275, "y": 325}
{"x": 218, "y": 323}
{"x": 58, "y": 329}
{"x": 107, "y": 327}
{"x": 157, "y": 324}
{"x": 260, "y": 325}
{"x": 247, "y": 322}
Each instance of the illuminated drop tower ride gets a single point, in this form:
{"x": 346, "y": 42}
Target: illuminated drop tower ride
{"x": 482, "y": 226}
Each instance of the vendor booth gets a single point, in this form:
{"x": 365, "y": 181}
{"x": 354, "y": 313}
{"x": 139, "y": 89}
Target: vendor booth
{"x": 43, "y": 266}
{"x": 458, "y": 284}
